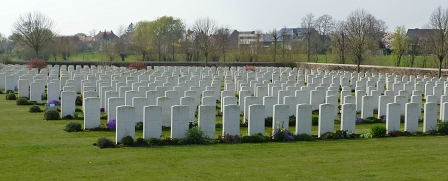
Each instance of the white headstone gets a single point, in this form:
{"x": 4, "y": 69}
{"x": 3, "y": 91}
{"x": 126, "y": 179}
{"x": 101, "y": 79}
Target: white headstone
{"x": 411, "y": 117}
{"x": 280, "y": 119}
{"x": 326, "y": 119}
{"x": 392, "y": 118}
{"x": 303, "y": 119}
{"x": 231, "y": 120}
{"x": 179, "y": 121}
{"x": 256, "y": 119}
{"x": 348, "y": 117}
{"x": 165, "y": 103}
{"x": 207, "y": 120}
{"x": 430, "y": 117}
{"x": 91, "y": 113}
{"x": 125, "y": 124}
{"x": 68, "y": 105}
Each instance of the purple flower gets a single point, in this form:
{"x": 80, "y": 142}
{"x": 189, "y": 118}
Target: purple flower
{"x": 112, "y": 124}
{"x": 16, "y": 88}
{"x": 393, "y": 133}
{"x": 102, "y": 109}
{"x": 55, "y": 102}
{"x": 358, "y": 120}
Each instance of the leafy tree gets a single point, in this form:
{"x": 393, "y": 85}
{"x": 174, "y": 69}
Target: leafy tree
{"x": 399, "y": 44}
{"x": 130, "y": 28}
{"x": 167, "y": 33}
{"x": 3, "y": 44}
{"x": 142, "y": 38}
{"x": 34, "y": 30}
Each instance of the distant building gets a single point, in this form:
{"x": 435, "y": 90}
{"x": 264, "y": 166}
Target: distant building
{"x": 105, "y": 35}
{"x": 416, "y": 37}
{"x": 249, "y": 38}
{"x": 85, "y": 39}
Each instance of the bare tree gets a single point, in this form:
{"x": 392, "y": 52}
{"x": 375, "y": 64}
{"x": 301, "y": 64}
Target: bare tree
{"x": 275, "y": 37}
{"x": 257, "y": 45}
{"x": 66, "y": 45}
{"x": 308, "y": 24}
{"x": 34, "y": 30}
{"x": 222, "y": 38}
{"x": 338, "y": 41}
{"x": 414, "y": 50}
{"x": 324, "y": 25}
{"x": 123, "y": 46}
{"x": 204, "y": 28}
{"x": 437, "y": 39}
{"x": 121, "y": 30}
{"x": 108, "y": 49}
{"x": 363, "y": 32}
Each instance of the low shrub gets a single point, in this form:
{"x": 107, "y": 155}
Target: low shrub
{"x": 73, "y": 127}
{"x": 127, "y": 141}
{"x": 9, "y": 91}
{"x": 250, "y": 68}
{"x": 292, "y": 120}
{"x": 371, "y": 120}
{"x": 11, "y": 96}
{"x": 51, "y": 114}
{"x": 192, "y": 124}
{"x": 378, "y": 130}
{"x": 268, "y": 122}
{"x": 78, "y": 115}
{"x": 304, "y": 137}
{"x": 154, "y": 141}
{"x": 218, "y": 125}
{"x": 78, "y": 110}
{"x": 137, "y": 65}
{"x": 195, "y": 136}
{"x": 227, "y": 138}
{"x": 314, "y": 120}
{"x": 140, "y": 142}
{"x": 258, "y": 138}
{"x": 68, "y": 116}
{"x": 22, "y": 101}
{"x": 339, "y": 134}
{"x": 37, "y": 63}
{"x": 112, "y": 124}
{"x": 104, "y": 142}
{"x": 139, "y": 126}
{"x": 365, "y": 135}
{"x": 78, "y": 100}
{"x": 35, "y": 108}
{"x": 442, "y": 127}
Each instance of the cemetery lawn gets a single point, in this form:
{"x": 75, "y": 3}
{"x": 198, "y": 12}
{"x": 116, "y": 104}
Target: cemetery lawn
{"x": 34, "y": 149}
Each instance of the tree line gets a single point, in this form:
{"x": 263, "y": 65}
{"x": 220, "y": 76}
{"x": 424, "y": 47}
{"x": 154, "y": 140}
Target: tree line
{"x": 167, "y": 38}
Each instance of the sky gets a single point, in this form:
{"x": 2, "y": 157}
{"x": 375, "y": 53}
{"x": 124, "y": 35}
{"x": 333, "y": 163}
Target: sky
{"x": 83, "y": 16}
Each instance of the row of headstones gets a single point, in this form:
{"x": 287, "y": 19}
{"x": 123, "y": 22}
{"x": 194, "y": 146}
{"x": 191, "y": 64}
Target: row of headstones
{"x": 179, "y": 123}
{"x": 366, "y": 106}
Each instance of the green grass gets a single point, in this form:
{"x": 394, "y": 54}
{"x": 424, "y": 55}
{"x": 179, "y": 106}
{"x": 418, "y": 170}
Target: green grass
{"x": 34, "y": 149}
